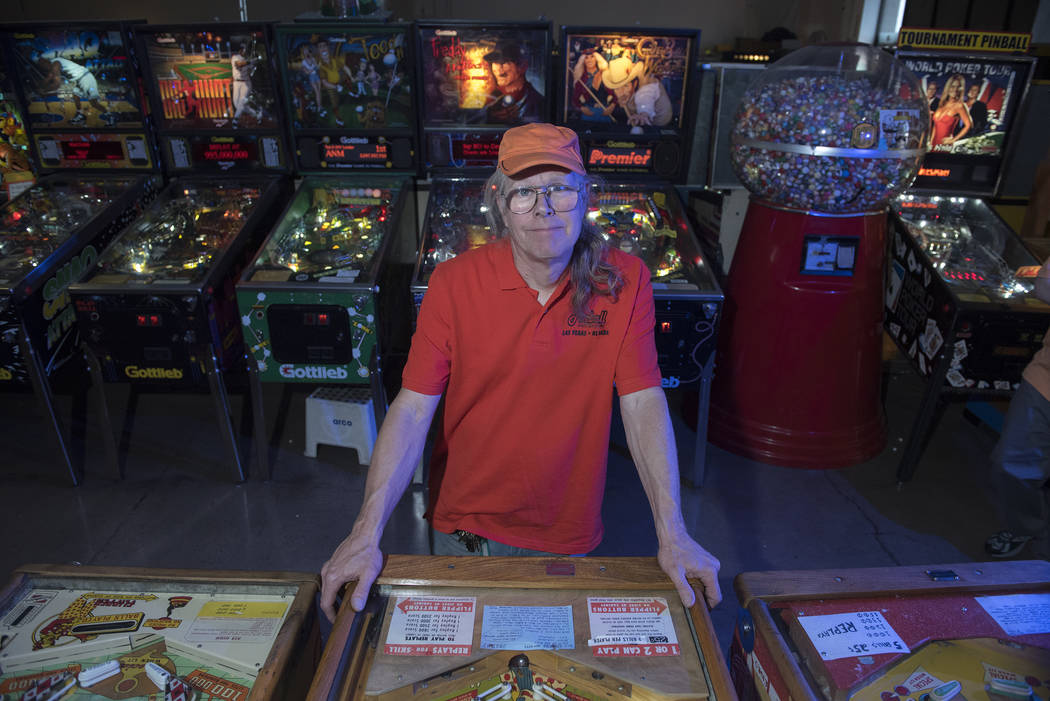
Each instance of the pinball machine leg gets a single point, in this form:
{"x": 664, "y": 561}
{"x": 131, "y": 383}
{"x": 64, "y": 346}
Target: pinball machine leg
{"x": 375, "y": 378}
{"x": 930, "y": 410}
{"x": 699, "y": 468}
{"x": 262, "y": 446}
{"x": 42, "y": 388}
{"x": 222, "y": 412}
{"x": 127, "y": 427}
{"x": 102, "y": 406}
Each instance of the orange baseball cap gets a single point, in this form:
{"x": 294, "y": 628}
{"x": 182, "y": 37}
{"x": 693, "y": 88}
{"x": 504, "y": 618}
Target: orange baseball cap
{"x": 540, "y": 144}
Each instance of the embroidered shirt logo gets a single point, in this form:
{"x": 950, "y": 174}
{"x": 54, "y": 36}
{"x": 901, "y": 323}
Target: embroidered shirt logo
{"x": 590, "y": 325}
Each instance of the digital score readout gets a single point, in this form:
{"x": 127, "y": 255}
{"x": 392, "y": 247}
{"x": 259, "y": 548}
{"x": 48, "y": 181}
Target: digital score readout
{"x": 954, "y": 173}
{"x": 356, "y": 154}
{"x": 214, "y": 151}
{"x": 85, "y": 150}
{"x": 476, "y": 151}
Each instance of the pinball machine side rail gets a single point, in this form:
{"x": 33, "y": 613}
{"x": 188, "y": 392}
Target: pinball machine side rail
{"x": 877, "y": 581}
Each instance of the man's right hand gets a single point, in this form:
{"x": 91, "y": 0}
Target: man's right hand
{"x": 353, "y": 561}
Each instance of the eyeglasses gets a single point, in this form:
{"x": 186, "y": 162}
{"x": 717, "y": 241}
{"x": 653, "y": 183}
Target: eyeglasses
{"x": 561, "y": 198}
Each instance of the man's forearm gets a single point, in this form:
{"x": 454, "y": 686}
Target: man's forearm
{"x": 398, "y": 449}
{"x": 650, "y": 439}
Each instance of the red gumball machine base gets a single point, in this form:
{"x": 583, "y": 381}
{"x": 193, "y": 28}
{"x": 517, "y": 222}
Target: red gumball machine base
{"x": 798, "y": 380}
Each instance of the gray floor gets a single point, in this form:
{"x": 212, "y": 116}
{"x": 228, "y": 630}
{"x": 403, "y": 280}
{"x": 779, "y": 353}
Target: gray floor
{"x": 177, "y": 508}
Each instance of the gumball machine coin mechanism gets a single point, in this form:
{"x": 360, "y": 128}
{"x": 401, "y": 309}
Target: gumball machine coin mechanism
{"x": 822, "y": 140}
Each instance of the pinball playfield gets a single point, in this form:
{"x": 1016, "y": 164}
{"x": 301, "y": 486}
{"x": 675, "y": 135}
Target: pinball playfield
{"x": 537, "y": 629}
{"x": 123, "y": 633}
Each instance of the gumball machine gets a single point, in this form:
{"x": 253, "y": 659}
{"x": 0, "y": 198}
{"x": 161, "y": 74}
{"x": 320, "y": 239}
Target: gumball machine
{"x": 822, "y": 140}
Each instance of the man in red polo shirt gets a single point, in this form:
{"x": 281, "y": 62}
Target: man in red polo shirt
{"x": 527, "y": 337}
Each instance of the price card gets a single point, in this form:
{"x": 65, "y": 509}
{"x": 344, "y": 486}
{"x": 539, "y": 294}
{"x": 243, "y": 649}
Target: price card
{"x": 431, "y": 625}
{"x": 841, "y": 635}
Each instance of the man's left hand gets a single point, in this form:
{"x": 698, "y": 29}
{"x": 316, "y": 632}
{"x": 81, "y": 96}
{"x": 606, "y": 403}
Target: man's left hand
{"x": 682, "y": 557}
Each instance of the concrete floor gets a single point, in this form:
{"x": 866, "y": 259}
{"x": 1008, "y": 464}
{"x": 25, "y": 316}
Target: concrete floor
{"x": 177, "y": 507}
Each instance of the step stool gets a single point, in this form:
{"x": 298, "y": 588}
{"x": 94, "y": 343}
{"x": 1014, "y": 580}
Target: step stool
{"x": 341, "y": 416}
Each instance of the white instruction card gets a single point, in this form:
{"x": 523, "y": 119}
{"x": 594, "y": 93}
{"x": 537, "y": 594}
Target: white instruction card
{"x": 431, "y": 625}
{"x": 839, "y": 635}
{"x": 527, "y": 628}
{"x": 1019, "y": 614}
{"x": 631, "y": 626}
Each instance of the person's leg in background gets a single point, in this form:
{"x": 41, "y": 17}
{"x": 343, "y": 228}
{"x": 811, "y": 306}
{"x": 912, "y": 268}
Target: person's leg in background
{"x": 1019, "y": 472}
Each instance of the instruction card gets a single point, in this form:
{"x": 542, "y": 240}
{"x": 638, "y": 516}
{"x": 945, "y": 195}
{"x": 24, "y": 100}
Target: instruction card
{"x": 633, "y": 626}
{"x": 431, "y": 625}
{"x": 841, "y": 635}
{"x": 527, "y": 628}
{"x": 1019, "y": 614}
{"x": 237, "y": 622}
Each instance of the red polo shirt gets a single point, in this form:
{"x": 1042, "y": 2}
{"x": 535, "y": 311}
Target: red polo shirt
{"x": 522, "y": 448}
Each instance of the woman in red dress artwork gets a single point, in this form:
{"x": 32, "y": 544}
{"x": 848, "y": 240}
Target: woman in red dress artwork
{"x": 950, "y": 112}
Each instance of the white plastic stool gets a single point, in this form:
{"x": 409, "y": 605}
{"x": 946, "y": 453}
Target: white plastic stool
{"x": 341, "y": 416}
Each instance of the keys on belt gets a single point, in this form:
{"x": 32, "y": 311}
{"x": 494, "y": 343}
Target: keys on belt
{"x": 473, "y": 541}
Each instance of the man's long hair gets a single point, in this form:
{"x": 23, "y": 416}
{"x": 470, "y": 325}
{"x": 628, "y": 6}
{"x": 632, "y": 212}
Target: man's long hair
{"x": 591, "y": 270}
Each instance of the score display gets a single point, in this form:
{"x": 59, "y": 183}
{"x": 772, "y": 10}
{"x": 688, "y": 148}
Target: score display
{"x": 107, "y": 151}
{"x": 354, "y": 153}
{"x": 224, "y": 151}
{"x": 242, "y": 152}
{"x": 85, "y": 150}
{"x": 475, "y": 149}
{"x": 463, "y": 150}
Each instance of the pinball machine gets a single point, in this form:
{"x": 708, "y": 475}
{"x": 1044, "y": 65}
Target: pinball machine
{"x": 158, "y": 310}
{"x": 629, "y": 93}
{"x": 215, "y": 99}
{"x": 310, "y": 301}
{"x": 466, "y": 106}
{"x": 79, "y": 632}
{"x": 16, "y": 168}
{"x": 525, "y": 628}
{"x": 463, "y": 115}
{"x": 959, "y": 298}
{"x": 99, "y": 174}
{"x": 975, "y": 630}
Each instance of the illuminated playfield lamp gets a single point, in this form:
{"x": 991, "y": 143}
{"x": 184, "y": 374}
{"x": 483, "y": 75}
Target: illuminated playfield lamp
{"x": 822, "y": 140}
